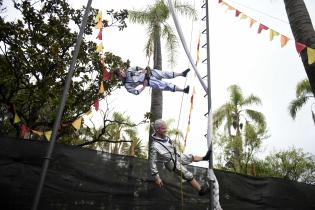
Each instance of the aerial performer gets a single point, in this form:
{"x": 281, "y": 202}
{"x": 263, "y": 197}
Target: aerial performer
{"x": 163, "y": 150}
{"x": 136, "y": 76}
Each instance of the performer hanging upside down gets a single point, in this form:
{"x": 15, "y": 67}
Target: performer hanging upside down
{"x": 163, "y": 150}
{"x": 135, "y": 76}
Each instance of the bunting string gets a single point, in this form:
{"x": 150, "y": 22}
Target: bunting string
{"x": 272, "y": 33}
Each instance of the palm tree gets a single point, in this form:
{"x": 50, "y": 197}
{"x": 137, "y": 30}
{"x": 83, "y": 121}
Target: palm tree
{"x": 234, "y": 112}
{"x": 303, "y": 94}
{"x": 155, "y": 18}
{"x": 238, "y": 149}
{"x": 303, "y": 32}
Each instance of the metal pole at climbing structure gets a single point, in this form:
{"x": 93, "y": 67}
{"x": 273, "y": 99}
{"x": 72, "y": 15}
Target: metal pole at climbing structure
{"x": 60, "y": 109}
{"x": 209, "y": 125}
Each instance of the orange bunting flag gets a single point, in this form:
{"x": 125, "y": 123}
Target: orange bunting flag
{"x": 273, "y": 34}
{"x": 237, "y": 13}
{"x": 101, "y": 90}
{"x": 100, "y": 35}
{"x": 106, "y": 74}
{"x": 48, "y": 135}
{"x": 98, "y": 17}
{"x": 97, "y": 105}
{"x": 229, "y": 8}
{"x": 299, "y": 47}
{"x": 99, "y": 47}
{"x": 252, "y": 22}
{"x": 77, "y": 123}
{"x": 99, "y": 25}
{"x": 284, "y": 40}
{"x": 262, "y": 27}
{"x": 310, "y": 55}
{"x": 16, "y": 118}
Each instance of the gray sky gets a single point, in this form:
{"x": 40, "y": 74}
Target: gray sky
{"x": 239, "y": 55}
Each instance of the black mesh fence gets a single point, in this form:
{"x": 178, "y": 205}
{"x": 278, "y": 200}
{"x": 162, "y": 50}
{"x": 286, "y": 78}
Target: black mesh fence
{"x": 86, "y": 179}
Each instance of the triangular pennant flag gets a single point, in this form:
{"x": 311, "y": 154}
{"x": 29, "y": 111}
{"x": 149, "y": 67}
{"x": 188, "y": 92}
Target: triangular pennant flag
{"x": 273, "y": 34}
{"x": 237, "y": 13}
{"x": 100, "y": 35}
{"x": 284, "y": 40}
{"x": 299, "y": 47}
{"x": 48, "y": 135}
{"x": 106, "y": 75}
{"x": 77, "y": 123}
{"x": 39, "y": 133}
{"x": 310, "y": 55}
{"x": 98, "y": 17}
{"x": 88, "y": 113}
{"x": 252, "y": 22}
{"x": 24, "y": 130}
{"x": 99, "y": 25}
{"x": 229, "y": 8}
{"x": 261, "y": 27}
{"x": 16, "y": 118}
{"x": 99, "y": 47}
{"x": 243, "y": 16}
{"x": 97, "y": 104}
{"x": 101, "y": 90}
{"x": 220, "y": 1}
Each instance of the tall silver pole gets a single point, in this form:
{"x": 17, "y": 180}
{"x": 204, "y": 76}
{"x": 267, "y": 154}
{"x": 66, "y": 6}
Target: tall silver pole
{"x": 209, "y": 127}
{"x": 61, "y": 108}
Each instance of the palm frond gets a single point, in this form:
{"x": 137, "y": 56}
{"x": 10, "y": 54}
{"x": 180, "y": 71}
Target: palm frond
{"x": 296, "y": 105}
{"x": 186, "y": 10}
{"x": 252, "y": 99}
{"x": 257, "y": 117}
{"x": 141, "y": 17}
{"x": 236, "y": 95}
{"x": 171, "y": 43}
{"x": 303, "y": 88}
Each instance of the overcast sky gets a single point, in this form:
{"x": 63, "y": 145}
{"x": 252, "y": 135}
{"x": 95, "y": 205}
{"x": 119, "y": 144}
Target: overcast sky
{"x": 239, "y": 55}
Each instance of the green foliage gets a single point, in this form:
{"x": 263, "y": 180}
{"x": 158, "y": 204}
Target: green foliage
{"x": 303, "y": 94}
{"x": 36, "y": 51}
{"x": 249, "y": 126}
{"x": 156, "y": 17}
{"x": 292, "y": 164}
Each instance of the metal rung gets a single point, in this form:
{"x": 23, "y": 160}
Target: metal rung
{"x": 204, "y": 46}
{"x": 204, "y": 5}
{"x": 204, "y": 31}
{"x": 204, "y": 61}
{"x": 204, "y": 76}
{"x": 204, "y": 18}
{"x": 205, "y": 135}
{"x": 205, "y": 95}
{"x": 206, "y": 114}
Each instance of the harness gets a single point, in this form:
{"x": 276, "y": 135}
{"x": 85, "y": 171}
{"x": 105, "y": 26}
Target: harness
{"x": 174, "y": 160}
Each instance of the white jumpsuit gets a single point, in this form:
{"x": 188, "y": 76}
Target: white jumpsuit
{"x": 136, "y": 77}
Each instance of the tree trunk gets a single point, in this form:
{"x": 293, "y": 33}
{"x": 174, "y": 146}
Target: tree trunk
{"x": 156, "y": 96}
{"x": 303, "y": 32}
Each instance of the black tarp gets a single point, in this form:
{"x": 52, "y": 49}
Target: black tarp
{"x": 86, "y": 179}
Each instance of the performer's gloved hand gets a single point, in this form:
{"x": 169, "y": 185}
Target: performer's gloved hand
{"x": 158, "y": 182}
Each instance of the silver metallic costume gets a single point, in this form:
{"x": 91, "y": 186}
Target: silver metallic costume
{"x": 162, "y": 150}
{"x": 135, "y": 77}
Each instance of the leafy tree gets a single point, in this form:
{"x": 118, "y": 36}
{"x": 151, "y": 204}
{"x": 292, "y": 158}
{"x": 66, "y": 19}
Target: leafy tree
{"x": 292, "y": 164}
{"x": 36, "y": 51}
{"x": 155, "y": 17}
{"x": 303, "y": 94}
{"x": 249, "y": 126}
{"x": 303, "y": 32}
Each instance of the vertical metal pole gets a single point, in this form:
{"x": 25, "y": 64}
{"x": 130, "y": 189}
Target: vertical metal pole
{"x": 61, "y": 108}
{"x": 209, "y": 128}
